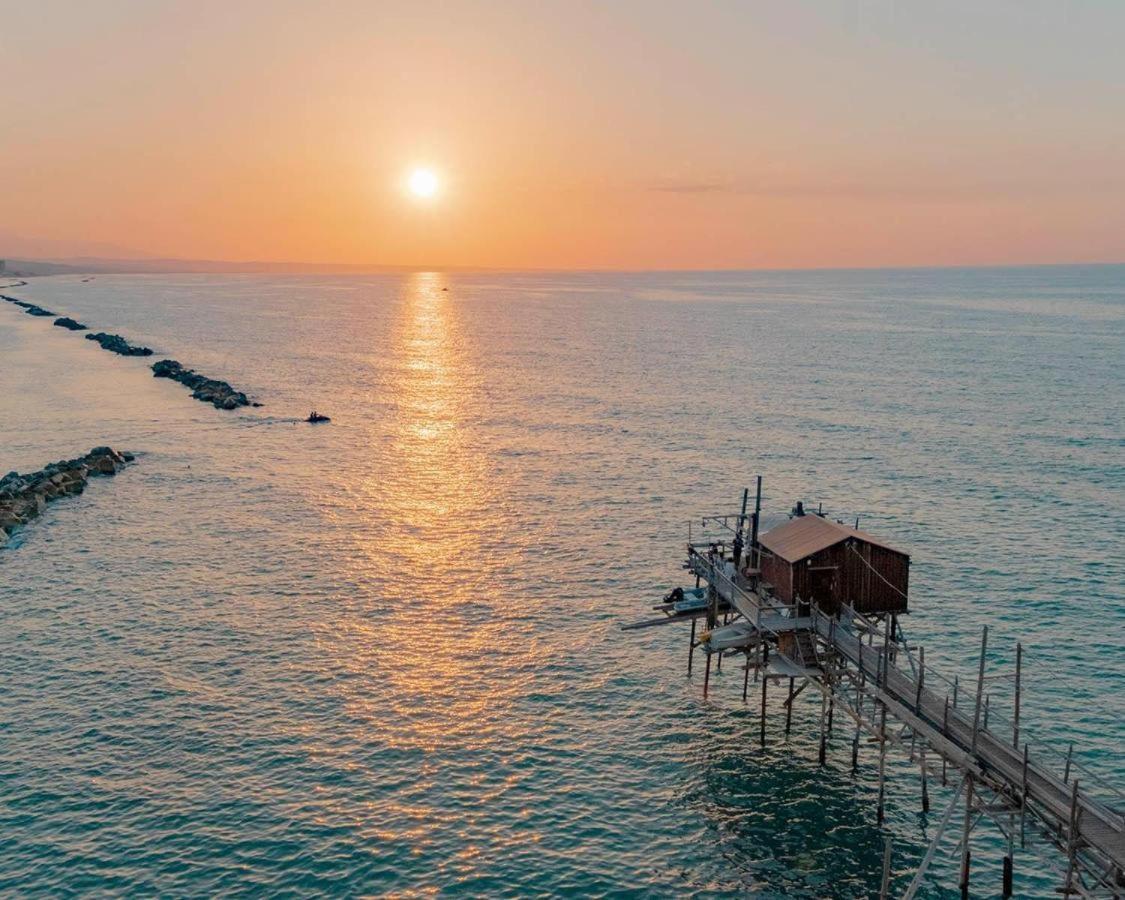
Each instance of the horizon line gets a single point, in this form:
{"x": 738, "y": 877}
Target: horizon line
{"x": 171, "y": 265}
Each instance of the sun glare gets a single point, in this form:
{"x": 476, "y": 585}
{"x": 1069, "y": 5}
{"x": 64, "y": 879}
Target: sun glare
{"x": 423, "y": 183}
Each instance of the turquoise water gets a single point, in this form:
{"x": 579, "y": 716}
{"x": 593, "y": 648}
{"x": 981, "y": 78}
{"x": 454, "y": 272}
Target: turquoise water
{"x": 383, "y": 657}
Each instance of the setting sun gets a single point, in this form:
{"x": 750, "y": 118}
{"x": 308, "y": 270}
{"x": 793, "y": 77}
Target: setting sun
{"x": 423, "y": 183}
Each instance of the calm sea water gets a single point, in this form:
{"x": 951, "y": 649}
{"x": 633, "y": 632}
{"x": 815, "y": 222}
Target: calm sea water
{"x": 383, "y": 656}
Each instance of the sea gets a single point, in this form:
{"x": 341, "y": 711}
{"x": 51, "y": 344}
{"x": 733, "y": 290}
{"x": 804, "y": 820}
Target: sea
{"x": 383, "y": 656}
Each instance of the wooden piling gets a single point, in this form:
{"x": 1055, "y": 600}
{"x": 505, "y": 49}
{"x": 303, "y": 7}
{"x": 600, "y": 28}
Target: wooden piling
{"x": 879, "y": 813}
{"x": 855, "y": 748}
{"x": 1071, "y": 841}
{"x": 746, "y": 677}
{"x": 966, "y": 856}
{"x": 823, "y": 754}
{"x": 762, "y": 738}
{"x": 925, "y": 784}
{"x": 1016, "y": 714}
{"x": 707, "y": 677}
{"x": 1023, "y": 799}
{"x": 980, "y": 686}
{"x": 944, "y": 731}
{"x": 921, "y": 680}
{"x": 789, "y": 707}
{"x": 691, "y": 646}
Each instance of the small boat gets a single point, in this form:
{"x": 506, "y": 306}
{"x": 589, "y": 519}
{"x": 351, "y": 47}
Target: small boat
{"x": 693, "y": 600}
{"x": 727, "y": 637}
{"x": 315, "y": 417}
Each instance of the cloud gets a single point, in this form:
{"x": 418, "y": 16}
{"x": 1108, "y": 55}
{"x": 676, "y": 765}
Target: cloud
{"x": 675, "y": 186}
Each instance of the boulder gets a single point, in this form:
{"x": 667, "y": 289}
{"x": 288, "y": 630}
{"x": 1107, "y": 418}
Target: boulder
{"x": 23, "y": 497}
{"x": 115, "y": 343}
{"x": 32, "y": 310}
{"x": 69, "y": 323}
{"x": 209, "y": 390}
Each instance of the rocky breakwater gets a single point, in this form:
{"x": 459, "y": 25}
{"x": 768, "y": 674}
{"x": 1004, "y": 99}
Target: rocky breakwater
{"x": 71, "y": 325}
{"x": 218, "y": 393}
{"x": 115, "y": 343}
{"x": 23, "y": 497}
{"x": 30, "y": 308}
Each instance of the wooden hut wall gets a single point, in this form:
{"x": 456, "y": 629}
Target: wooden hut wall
{"x": 860, "y": 581}
{"x": 838, "y": 575}
{"x": 777, "y": 572}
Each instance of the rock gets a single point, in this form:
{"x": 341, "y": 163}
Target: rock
{"x": 69, "y": 323}
{"x": 115, "y": 343}
{"x": 218, "y": 393}
{"x": 23, "y": 497}
{"x": 32, "y": 310}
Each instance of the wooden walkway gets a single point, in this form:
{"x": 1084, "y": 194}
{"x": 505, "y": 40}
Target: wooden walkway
{"x": 988, "y": 758}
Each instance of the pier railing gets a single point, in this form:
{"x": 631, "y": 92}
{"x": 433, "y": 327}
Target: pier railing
{"x": 1069, "y": 816}
{"x": 765, "y": 614}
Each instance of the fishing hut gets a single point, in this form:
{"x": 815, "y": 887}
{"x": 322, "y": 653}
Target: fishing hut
{"x": 812, "y": 559}
{"x": 815, "y": 604}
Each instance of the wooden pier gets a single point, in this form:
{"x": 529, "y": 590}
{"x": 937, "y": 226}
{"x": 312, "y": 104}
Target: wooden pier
{"x": 843, "y": 638}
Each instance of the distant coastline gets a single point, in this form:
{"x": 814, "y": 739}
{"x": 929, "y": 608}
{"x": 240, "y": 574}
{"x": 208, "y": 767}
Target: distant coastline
{"x": 34, "y": 268}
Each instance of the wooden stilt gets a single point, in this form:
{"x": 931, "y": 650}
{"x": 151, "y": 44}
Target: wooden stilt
{"x": 789, "y": 708}
{"x": 925, "y": 781}
{"x": 916, "y": 882}
{"x": 921, "y": 680}
{"x": 707, "y": 676}
{"x": 1072, "y": 841}
{"x": 831, "y": 708}
{"x": 945, "y": 731}
{"x": 823, "y": 754}
{"x": 746, "y": 677}
{"x": 762, "y": 736}
{"x": 966, "y": 856}
{"x": 980, "y": 686}
{"x": 691, "y": 647}
{"x": 1016, "y": 714}
{"x": 1006, "y": 890}
{"x": 1023, "y": 800}
{"x": 855, "y": 749}
{"x": 880, "y": 810}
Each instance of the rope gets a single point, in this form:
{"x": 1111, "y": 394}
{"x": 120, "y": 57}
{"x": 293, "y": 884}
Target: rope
{"x": 877, "y": 572}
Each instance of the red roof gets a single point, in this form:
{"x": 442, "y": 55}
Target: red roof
{"x": 803, "y": 536}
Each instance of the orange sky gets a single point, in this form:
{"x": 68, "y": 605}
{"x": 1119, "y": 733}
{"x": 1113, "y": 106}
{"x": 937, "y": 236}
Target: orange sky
{"x": 623, "y": 135}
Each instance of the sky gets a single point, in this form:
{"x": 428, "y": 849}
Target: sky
{"x": 626, "y": 135}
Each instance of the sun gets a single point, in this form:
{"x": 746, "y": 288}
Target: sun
{"x": 423, "y": 183}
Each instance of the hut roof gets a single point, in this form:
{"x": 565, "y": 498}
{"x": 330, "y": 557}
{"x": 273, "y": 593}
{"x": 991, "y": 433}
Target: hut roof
{"x": 802, "y": 536}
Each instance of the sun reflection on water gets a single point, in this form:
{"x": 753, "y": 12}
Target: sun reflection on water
{"x": 442, "y": 545}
